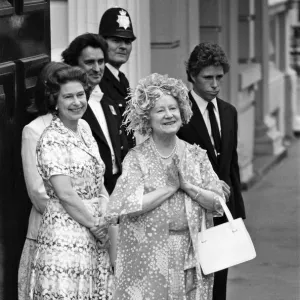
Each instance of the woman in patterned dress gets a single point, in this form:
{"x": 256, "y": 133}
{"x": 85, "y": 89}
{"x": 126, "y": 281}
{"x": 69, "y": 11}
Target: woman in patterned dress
{"x": 34, "y": 182}
{"x": 165, "y": 185}
{"x": 71, "y": 260}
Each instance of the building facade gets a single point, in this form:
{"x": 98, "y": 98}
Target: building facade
{"x": 255, "y": 34}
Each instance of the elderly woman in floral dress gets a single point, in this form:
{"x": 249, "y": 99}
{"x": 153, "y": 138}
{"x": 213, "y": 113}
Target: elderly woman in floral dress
{"x": 159, "y": 199}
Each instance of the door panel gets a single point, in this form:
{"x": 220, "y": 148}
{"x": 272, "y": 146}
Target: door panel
{"x": 6, "y": 8}
{"x": 24, "y": 35}
{"x": 7, "y": 131}
{"x": 24, "y": 50}
{"x": 32, "y": 5}
{"x": 28, "y": 70}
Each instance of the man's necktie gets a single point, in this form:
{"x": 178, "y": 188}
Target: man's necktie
{"x": 214, "y": 127}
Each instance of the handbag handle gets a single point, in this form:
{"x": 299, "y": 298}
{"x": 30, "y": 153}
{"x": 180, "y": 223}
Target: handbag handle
{"x": 228, "y": 215}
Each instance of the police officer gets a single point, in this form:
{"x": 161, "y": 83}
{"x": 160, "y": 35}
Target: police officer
{"x": 116, "y": 27}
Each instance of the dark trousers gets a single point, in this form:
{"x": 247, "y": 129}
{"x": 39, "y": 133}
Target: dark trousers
{"x": 220, "y": 285}
{"x": 220, "y": 281}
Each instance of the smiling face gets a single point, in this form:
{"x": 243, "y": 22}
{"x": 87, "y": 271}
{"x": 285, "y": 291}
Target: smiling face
{"x": 165, "y": 118}
{"x": 91, "y": 60}
{"x": 119, "y": 50}
{"x": 71, "y": 103}
{"x": 208, "y": 82}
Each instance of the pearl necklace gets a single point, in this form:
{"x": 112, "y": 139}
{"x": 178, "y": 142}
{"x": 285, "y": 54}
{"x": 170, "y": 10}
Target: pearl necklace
{"x": 76, "y": 133}
{"x": 162, "y": 156}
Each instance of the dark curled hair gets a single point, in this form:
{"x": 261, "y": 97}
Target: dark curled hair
{"x": 71, "y": 54}
{"x": 48, "y": 89}
{"x": 204, "y": 55}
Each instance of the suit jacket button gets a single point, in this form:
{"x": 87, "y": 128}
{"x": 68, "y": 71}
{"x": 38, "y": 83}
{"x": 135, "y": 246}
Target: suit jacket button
{"x": 120, "y": 104}
{"x": 122, "y": 147}
{"x": 120, "y": 131}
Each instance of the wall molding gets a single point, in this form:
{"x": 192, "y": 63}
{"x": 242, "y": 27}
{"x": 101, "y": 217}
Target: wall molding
{"x": 211, "y": 28}
{"x": 165, "y": 45}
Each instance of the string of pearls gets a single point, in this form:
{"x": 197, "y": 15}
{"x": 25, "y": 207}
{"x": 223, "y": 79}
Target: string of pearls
{"x": 76, "y": 133}
{"x": 163, "y": 156}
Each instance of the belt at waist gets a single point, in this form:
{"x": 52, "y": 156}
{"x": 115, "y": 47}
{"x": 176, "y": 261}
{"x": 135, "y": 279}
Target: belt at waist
{"x": 94, "y": 199}
{"x": 91, "y": 201}
{"x": 179, "y": 232}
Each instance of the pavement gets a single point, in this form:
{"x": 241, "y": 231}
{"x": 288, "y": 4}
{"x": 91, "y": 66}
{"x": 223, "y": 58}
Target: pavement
{"x": 273, "y": 221}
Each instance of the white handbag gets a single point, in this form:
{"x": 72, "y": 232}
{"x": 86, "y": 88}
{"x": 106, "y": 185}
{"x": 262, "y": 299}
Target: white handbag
{"x": 225, "y": 245}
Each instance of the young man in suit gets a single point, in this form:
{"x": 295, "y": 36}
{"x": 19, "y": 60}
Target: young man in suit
{"x": 116, "y": 27}
{"x": 89, "y": 51}
{"x": 214, "y": 127}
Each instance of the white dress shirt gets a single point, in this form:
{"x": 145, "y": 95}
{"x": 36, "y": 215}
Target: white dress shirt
{"x": 114, "y": 71}
{"x": 202, "y": 104}
{"x": 95, "y": 105}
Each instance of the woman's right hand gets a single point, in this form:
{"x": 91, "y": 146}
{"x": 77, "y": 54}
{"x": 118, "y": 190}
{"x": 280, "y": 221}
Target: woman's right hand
{"x": 100, "y": 229}
{"x": 208, "y": 200}
{"x": 172, "y": 173}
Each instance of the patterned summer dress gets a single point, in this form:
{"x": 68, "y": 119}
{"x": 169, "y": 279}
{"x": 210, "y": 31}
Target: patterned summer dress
{"x": 156, "y": 250}
{"x": 69, "y": 262}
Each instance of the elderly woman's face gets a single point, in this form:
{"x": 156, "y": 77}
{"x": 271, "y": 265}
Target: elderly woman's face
{"x": 165, "y": 116}
{"x": 71, "y": 102}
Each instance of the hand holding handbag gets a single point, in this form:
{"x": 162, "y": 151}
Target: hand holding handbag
{"x": 225, "y": 245}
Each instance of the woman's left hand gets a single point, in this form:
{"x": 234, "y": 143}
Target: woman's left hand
{"x": 100, "y": 230}
{"x": 183, "y": 183}
{"x": 226, "y": 190}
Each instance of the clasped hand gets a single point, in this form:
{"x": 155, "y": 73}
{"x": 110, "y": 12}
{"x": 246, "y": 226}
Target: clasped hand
{"x": 176, "y": 180}
{"x": 175, "y": 177}
{"x": 100, "y": 229}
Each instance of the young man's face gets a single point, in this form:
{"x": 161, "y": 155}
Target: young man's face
{"x": 119, "y": 50}
{"x": 92, "y": 61}
{"x": 208, "y": 82}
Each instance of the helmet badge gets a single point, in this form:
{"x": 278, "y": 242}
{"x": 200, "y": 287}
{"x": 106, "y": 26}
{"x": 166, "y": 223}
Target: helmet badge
{"x": 123, "y": 20}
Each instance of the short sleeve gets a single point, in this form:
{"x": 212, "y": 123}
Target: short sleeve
{"x": 52, "y": 156}
{"x": 128, "y": 194}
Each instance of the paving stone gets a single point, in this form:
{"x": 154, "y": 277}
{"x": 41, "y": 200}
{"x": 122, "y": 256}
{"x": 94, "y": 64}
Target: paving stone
{"x": 272, "y": 207}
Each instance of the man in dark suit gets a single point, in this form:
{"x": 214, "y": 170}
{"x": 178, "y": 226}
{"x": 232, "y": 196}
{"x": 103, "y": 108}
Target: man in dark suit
{"x": 116, "y": 27}
{"x": 214, "y": 127}
{"x": 89, "y": 51}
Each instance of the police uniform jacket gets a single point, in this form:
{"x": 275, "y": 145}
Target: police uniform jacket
{"x": 117, "y": 91}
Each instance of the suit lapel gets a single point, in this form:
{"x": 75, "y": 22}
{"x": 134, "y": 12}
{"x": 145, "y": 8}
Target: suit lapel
{"x": 93, "y": 122}
{"x": 112, "y": 125}
{"x": 225, "y": 129}
{"x": 198, "y": 123}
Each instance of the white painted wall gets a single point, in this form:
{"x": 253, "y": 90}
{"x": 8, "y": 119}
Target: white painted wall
{"x": 74, "y": 17}
{"x": 59, "y": 27}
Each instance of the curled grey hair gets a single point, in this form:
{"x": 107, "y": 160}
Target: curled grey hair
{"x": 143, "y": 98}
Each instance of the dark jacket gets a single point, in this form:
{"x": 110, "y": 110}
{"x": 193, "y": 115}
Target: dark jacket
{"x": 117, "y": 135}
{"x": 112, "y": 88}
{"x": 195, "y": 132}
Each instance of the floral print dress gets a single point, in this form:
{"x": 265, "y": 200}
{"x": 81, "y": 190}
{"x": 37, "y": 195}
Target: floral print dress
{"x": 69, "y": 263}
{"x": 156, "y": 257}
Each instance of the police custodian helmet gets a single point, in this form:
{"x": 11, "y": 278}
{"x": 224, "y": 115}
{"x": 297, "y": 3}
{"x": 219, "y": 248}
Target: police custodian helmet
{"x": 116, "y": 22}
